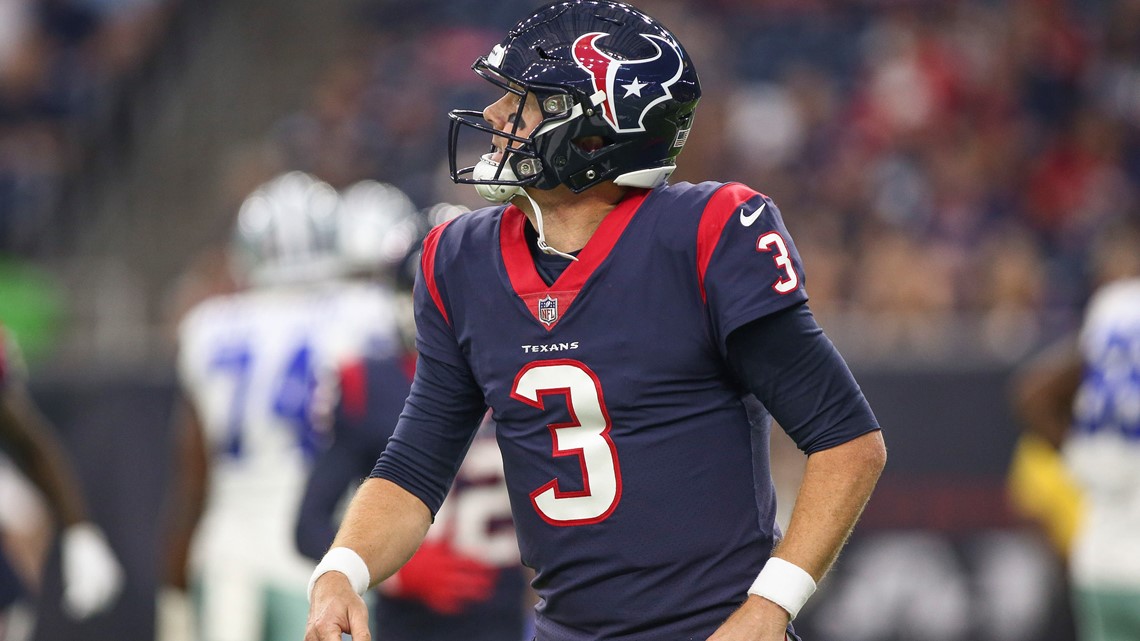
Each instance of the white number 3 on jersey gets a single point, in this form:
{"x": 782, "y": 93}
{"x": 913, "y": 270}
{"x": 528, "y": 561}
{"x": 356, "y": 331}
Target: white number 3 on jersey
{"x": 586, "y": 436}
{"x": 790, "y": 281}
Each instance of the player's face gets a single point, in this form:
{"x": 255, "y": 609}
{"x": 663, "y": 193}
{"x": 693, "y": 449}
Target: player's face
{"x": 511, "y": 114}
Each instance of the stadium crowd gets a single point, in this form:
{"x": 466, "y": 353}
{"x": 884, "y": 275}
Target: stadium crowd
{"x": 63, "y": 67}
{"x": 936, "y": 160}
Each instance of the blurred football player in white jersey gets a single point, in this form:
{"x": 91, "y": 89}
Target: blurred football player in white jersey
{"x": 1085, "y": 399}
{"x": 249, "y": 364}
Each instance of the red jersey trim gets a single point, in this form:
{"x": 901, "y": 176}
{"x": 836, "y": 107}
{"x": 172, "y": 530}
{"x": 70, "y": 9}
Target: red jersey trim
{"x": 548, "y": 304}
{"x": 353, "y": 391}
{"x": 715, "y": 217}
{"x": 427, "y": 263}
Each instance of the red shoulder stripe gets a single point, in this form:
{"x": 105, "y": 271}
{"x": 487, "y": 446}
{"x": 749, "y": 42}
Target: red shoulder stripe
{"x": 716, "y": 215}
{"x": 427, "y": 263}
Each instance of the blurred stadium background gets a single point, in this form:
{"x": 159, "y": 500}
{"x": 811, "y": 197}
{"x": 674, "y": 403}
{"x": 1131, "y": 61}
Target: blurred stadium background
{"x": 958, "y": 175}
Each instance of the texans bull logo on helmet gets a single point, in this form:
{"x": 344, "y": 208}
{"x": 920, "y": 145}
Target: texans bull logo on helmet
{"x": 641, "y": 83}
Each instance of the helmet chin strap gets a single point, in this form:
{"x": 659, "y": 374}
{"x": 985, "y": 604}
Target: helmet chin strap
{"x": 542, "y": 246}
{"x": 487, "y": 169}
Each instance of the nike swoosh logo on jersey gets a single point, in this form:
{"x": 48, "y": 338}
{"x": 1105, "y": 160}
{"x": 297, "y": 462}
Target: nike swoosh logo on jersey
{"x": 748, "y": 220}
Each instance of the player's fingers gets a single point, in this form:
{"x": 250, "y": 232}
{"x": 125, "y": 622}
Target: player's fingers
{"x": 327, "y": 622}
{"x": 358, "y": 623}
{"x": 329, "y": 632}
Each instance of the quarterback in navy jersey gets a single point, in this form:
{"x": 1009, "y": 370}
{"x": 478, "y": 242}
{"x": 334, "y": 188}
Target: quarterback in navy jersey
{"x": 617, "y": 326}
{"x": 465, "y": 583}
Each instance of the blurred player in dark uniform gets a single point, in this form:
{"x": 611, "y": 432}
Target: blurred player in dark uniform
{"x": 615, "y": 325}
{"x": 92, "y": 576}
{"x": 466, "y": 582}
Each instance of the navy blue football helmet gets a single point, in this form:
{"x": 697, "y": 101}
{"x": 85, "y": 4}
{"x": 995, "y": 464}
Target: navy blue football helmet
{"x": 602, "y": 72}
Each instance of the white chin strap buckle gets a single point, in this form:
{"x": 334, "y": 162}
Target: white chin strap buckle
{"x": 486, "y": 169}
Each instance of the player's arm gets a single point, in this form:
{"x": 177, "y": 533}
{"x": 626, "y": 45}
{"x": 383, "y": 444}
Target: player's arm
{"x": 791, "y": 366}
{"x": 1040, "y": 485}
{"x": 185, "y": 502}
{"x": 1044, "y": 390}
{"x": 384, "y": 524}
{"x": 40, "y": 454}
{"x": 334, "y": 471}
{"x": 369, "y": 398}
{"x": 391, "y": 512}
{"x": 186, "y": 493}
{"x": 92, "y": 576}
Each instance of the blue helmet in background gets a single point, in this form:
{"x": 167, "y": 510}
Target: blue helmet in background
{"x": 617, "y": 93}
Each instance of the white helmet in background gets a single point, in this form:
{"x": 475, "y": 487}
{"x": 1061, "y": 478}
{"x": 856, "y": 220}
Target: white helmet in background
{"x": 440, "y": 213}
{"x": 378, "y": 226}
{"x": 287, "y": 232}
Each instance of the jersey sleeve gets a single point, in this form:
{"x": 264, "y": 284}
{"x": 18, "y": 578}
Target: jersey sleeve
{"x": 192, "y": 361}
{"x": 747, "y": 264}
{"x": 792, "y": 368}
{"x": 434, "y": 334}
{"x": 440, "y": 417}
{"x": 445, "y": 404}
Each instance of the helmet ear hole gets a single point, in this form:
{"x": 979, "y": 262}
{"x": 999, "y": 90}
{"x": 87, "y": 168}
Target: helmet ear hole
{"x": 590, "y": 144}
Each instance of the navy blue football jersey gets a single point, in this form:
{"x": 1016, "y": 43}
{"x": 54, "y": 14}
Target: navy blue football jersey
{"x": 629, "y": 454}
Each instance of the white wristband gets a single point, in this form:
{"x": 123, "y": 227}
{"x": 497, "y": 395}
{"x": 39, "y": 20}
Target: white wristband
{"x": 347, "y": 562}
{"x": 785, "y": 584}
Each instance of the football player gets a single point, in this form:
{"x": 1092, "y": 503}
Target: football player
{"x": 249, "y": 364}
{"x": 1081, "y": 400}
{"x": 92, "y": 576}
{"x": 614, "y": 324}
{"x": 466, "y": 582}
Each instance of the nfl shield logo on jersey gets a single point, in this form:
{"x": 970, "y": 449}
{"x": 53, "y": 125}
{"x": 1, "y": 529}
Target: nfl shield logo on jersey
{"x": 548, "y": 310}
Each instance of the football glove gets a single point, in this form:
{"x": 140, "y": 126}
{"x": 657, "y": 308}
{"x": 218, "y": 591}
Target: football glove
{"x": 443, "y": 579}
{"x": 92, "y": 576}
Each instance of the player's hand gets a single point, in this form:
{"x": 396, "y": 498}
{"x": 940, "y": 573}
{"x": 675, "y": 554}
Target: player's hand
{"x": 758, "y": 619}
{"x": 92, "y": 576}
{"x": 443, "y": 579}
{"x": 173, "y": 615}
{"x": 334, "y": 608}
